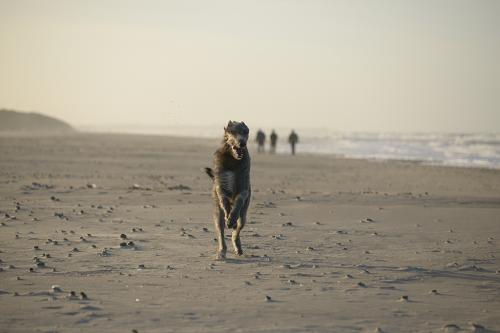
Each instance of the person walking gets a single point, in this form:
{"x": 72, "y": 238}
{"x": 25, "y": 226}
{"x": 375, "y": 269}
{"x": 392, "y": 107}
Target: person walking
{"x": 293, "y": 139}
{"x": 274, "y": 140}
{"x": 261, "y": 140}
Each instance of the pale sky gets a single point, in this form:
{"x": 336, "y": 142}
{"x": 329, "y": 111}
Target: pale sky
{"x": 423, "y": 65}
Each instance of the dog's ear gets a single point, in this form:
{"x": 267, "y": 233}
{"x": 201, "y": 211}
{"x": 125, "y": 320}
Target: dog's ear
{"x": 229, "y": 123}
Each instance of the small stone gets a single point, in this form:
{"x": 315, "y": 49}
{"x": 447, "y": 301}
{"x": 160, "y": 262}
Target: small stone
{"x": 361, "y": 284}
{"x": 55, "y": 288}
{"x": 123, "y": 236}
{"x": 83, "y": 295}
{"x": 451, "y": 328}
{"x": 141, "y": 266}
{"x": 268, "y": 298}
{"x": 404, "y": 298}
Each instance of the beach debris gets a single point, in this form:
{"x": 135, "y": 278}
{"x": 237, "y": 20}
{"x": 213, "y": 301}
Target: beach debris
{"x": 179, "y": 187}
{"x": 139, "y": 187}
{"x": 72, "y": 295}
{"x": 55, "y": 288}
{"x": 38, "y": 186}
{"x": 268, "y": 298}
{"x": 83, "y": 296}
{"x": 287, "y": 224}
{"x": 91, "y": 185}
{"x": 60, "y": 215}
{"x": 105, "y": 253}
{"x": 477, "y": 328}
{"x": 451, "y": 328}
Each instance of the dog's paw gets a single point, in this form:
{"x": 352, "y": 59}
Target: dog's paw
{"x": 220, "y": 255}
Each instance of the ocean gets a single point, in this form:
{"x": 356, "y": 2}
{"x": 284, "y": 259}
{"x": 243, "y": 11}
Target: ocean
{"x": 452, "y": 149}
{"x": 463, "y": 150}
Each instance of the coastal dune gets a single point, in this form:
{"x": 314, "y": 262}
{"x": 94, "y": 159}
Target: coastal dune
{"x": 114, "y": 233}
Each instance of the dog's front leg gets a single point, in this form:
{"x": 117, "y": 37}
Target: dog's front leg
{"x": 224, "y": 201}
{"x": 240, "y": 199}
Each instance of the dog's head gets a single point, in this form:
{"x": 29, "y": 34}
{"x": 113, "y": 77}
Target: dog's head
{"x": 236, "y": 137}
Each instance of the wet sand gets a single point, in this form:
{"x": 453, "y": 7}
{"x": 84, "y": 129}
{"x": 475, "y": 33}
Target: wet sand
{"x": 332, "y": 244}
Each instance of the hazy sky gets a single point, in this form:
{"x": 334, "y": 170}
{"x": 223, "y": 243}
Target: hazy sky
{"x": 346, "y": 65}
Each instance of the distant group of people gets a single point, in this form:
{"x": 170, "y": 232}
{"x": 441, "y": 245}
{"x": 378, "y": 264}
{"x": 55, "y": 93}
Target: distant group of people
{"x": 293, "y": 139}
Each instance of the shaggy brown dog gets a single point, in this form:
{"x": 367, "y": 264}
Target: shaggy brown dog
{"x": 231, "y": 188}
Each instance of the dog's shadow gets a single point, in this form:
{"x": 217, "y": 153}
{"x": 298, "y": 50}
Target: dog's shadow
{"x": 247, "y": 260}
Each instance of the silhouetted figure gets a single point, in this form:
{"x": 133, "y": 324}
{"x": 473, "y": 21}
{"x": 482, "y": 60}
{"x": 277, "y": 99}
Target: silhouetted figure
{"x": 261, "y": 140}
{"x": 274, "y": 139}
{"x": 293, "y": 138}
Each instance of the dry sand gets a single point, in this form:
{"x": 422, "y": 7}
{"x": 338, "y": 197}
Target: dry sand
{"x": 333, "y": 245}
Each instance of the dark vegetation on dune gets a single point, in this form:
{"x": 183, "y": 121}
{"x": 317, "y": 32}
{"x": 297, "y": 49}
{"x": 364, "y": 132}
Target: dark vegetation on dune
{"x": 14, "y": 121}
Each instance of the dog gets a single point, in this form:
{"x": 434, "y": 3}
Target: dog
{"x": 231, "y": 185}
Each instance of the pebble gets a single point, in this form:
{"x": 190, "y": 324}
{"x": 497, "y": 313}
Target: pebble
{"x": 57, "y": 289}
{"x": 105, "y": 253}
{"x": 83, "y": 295}
{"x": 451, "y": 328}
{"x": 268, "y": 298}
{"x": 123, "y": 236}
{"x": 404, "y": 298}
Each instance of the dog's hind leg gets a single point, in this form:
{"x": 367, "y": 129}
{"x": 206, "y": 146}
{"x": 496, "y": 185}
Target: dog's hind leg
{"x": 240, "y": 202}
{"x": 219, "y": 222}
{"x": 235, "y": 237}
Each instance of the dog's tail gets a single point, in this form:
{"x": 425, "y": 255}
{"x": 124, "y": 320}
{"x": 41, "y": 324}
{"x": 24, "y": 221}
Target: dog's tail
{"x": 209, "y": 172}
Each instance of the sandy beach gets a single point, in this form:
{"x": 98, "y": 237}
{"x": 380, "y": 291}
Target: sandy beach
{"x": 113, "y": 233}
